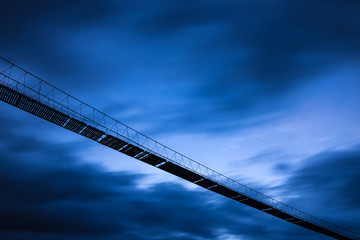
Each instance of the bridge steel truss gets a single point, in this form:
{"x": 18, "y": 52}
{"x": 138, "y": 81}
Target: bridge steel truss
{"x": 24, "y": 90}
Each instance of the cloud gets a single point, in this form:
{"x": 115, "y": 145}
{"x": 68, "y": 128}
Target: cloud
{"x": 233, "y": 61}
{"x": 330, "y": 180}
{"x": 248, "y": 56}
{"x": 36, "y": 34}
{"x": 48, "y": 192}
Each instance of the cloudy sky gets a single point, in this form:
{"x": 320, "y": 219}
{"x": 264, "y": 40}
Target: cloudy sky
{"x": 266, "y": 92}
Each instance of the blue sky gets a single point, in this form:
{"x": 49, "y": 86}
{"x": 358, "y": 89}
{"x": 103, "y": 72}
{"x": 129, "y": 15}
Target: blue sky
{"x": 266, "y": 92}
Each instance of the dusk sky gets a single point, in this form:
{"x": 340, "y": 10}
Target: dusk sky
{"x": 265, "y": 92}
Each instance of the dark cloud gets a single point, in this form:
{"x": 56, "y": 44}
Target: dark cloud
{"x": 249, "y": 55}
{"x": 47, "y": 192}
{"x": 330, "y": 180}
{"x": 37, "y": 34}
{"x": 242, "y": 57}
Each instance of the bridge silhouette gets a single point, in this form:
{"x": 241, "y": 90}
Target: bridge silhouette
{"x": 27, "y": 92}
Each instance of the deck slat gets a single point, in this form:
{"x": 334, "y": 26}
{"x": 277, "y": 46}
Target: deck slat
{"x": 180, "y": 172}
